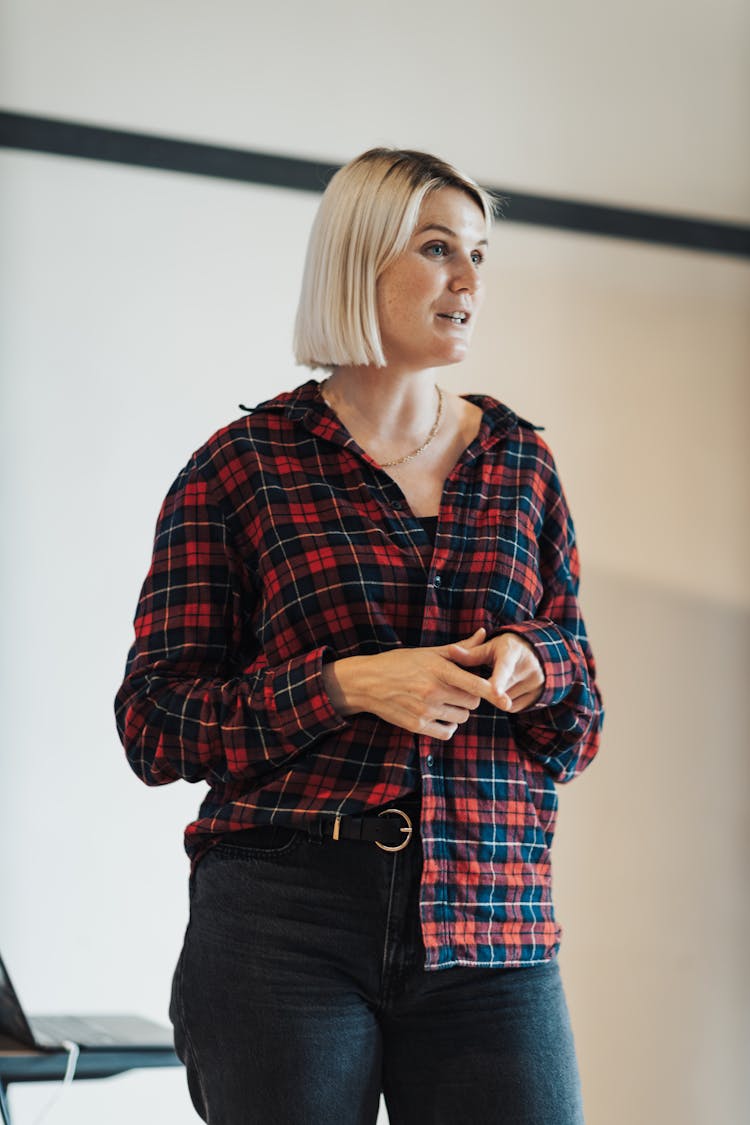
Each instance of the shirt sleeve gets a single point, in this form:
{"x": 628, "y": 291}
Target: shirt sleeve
{"x": 195, "y": 703}
{"x": 562, "y": 729}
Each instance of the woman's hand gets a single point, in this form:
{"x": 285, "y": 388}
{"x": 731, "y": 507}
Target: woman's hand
{"x": 422, "y": 690}
{"x": 517, "y": 677}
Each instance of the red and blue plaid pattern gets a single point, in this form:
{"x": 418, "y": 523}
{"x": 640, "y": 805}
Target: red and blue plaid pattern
{"x": 282, "y": 545}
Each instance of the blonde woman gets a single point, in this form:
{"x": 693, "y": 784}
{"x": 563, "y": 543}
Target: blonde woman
{"x": 361, "y": 628}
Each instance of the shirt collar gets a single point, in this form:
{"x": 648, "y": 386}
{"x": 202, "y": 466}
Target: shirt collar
{"x": 305, "y": 405}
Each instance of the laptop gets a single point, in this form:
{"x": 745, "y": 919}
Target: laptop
{"x": 91, "y": 1033}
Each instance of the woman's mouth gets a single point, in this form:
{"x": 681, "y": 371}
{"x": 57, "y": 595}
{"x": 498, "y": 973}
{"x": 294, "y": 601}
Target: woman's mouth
{"x": 458, "y": 317}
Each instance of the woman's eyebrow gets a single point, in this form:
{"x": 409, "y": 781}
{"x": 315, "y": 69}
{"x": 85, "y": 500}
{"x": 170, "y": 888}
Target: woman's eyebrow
{"x": 446, "y": 230}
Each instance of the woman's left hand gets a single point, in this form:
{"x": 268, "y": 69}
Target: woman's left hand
{"x": 517, "y": 675}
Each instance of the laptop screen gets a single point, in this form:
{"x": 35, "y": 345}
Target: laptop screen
{"x": 12, "y": 1020}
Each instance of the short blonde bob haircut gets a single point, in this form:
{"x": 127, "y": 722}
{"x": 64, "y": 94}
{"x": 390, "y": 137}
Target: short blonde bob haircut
{"x": 365, "y": 219}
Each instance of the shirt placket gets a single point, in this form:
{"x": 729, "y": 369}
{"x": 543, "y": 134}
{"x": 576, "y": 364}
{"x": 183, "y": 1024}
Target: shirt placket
{"x": 437, "y": 564}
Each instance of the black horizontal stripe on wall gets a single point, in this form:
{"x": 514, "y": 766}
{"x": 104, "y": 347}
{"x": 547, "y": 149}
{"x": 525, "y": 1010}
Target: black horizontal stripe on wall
{"x": 144, "y": 150}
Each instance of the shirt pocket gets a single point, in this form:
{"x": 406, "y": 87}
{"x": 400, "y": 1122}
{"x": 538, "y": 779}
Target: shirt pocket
{"x": 514, "y": 586}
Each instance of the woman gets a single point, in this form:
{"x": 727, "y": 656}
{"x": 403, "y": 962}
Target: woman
{"x": 361, "y": 628}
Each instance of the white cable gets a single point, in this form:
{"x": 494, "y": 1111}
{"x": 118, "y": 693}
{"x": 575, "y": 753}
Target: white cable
{"x": 70, "y": 1072}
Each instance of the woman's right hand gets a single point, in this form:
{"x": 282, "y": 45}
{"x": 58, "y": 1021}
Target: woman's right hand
{"x": 419, "y": 689}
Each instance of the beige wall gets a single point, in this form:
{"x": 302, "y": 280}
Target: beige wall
{"x": 140, "y": 307}
{"x": 636, "y": 361}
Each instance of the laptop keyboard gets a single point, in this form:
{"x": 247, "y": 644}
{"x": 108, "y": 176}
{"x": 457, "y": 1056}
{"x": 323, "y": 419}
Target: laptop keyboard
{"x": 51, "y": 1032}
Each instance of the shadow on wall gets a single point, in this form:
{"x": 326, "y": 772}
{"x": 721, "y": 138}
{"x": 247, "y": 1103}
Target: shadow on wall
{"x": 652, "y": 874}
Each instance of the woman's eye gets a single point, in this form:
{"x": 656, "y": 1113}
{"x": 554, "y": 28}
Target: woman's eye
{"x": 440, "y": 250}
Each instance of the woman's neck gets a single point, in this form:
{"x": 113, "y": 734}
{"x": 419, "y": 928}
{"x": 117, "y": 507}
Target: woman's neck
{"x": 384, "y": 402}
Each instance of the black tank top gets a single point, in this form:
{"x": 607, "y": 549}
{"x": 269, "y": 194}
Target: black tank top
{"x": 429, "y": 523}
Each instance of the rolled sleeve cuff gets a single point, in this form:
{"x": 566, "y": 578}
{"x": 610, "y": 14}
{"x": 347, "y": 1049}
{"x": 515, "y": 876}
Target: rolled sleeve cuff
{"x": 300, "y": 708}
{"x": 551, "y": 648}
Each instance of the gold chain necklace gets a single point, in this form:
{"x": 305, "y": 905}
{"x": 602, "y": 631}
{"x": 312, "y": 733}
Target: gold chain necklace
{"x": 409, "y": 456}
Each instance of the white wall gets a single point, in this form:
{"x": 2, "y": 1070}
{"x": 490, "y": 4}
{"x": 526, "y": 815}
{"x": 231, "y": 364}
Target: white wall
{"x": 140, "y": 307}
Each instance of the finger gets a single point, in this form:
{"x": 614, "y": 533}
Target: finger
{"x": 523, "y": 693}
{"x": 529, "y": 683}
{"x": 506, "y": 653}
{"x": 502, "y": 700}
{"x": 470, "y": 644}
{"x": 449, "y": 714}
{"x": 465, "y": 681}
{"x": 504, "y": 675}
{"x": 470, "y": 656}
{"x": 525, "y": 699}
{"x": 447, "y": 695}
{"x": 436, "y": 729}
{"x": 477, "y": 637}
{"x": 531, "y": 679}
{"x": 501, "y": 656}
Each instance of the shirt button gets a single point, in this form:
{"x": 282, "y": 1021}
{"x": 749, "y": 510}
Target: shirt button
{"x": 397, "y": 505}
{"x": 437, "y": 580}
{"x": 430, "y": 760}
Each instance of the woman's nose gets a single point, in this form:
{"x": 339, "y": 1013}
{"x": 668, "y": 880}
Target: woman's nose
{"x": 465, "y": 276}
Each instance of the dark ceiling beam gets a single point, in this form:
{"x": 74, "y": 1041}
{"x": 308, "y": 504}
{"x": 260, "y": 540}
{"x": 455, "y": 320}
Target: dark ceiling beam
{"x": 144, "y": 150}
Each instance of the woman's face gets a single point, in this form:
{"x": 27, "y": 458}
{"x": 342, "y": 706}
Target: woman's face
{"x": 429, "y": 297}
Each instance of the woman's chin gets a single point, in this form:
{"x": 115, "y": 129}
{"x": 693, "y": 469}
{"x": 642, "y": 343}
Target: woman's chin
{"x": 455, "y": 354}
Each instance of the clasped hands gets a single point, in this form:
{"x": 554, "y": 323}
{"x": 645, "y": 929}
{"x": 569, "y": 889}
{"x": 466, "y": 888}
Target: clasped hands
{"x": 432, "y": 690}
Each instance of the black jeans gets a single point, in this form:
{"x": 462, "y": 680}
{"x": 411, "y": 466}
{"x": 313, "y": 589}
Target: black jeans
{"x": 300, "y": 994}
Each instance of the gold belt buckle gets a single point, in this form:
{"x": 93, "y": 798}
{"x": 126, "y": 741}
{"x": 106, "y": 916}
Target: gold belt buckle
{"x": 408, "y": 829}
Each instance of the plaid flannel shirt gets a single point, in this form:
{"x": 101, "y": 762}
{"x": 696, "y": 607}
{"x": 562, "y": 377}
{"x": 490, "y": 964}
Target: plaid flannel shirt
{"x": 282, "y": 545}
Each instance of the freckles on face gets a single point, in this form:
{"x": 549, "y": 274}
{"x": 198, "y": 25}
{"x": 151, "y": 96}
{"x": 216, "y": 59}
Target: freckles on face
{"x": 429, "y": 297}
{"x": 406, "y": 288}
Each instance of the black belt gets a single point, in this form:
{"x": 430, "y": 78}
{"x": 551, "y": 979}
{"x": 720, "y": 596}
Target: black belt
{"x": 391, "y": 829}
